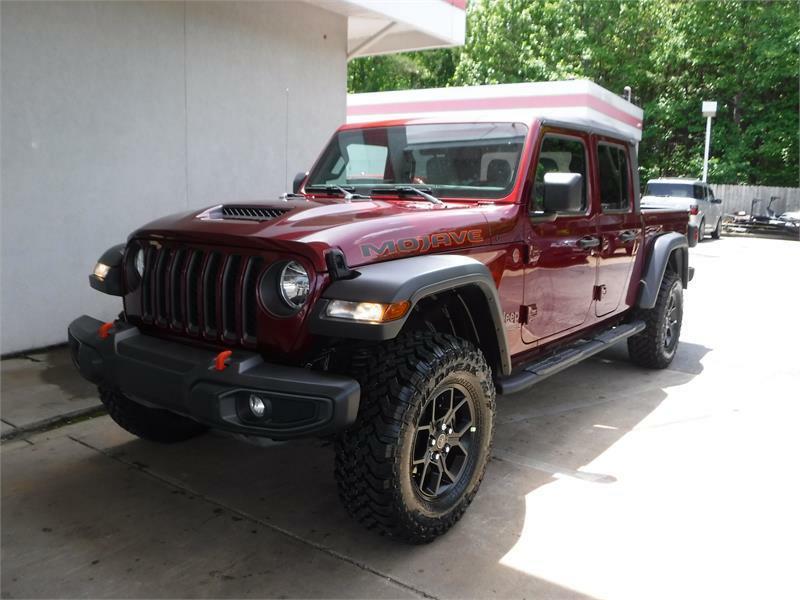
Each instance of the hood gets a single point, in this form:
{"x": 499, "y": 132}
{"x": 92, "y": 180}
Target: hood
{"x": 365, "y": 230}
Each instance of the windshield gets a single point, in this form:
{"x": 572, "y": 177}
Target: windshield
{"x": 459, "y": 160}
{"x": 675, "y": 190}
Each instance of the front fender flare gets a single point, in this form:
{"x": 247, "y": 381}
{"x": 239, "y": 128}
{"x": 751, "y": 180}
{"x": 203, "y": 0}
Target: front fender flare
{"x": 409, "y": 279}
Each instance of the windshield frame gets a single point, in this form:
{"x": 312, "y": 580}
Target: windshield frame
{"x": 447, "y": 192}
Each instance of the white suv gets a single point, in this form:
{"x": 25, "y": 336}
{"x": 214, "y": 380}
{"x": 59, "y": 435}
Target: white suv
{"x": 689, "y": 194}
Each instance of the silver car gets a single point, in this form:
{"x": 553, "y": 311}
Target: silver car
{"x": 693, "y": 195}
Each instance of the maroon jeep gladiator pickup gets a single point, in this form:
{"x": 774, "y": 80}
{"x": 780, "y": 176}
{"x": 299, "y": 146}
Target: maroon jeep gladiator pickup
{"x": 420, "y": 268}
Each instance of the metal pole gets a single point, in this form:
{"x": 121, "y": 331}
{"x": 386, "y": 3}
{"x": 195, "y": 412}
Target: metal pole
{"x": 705, "y": 155}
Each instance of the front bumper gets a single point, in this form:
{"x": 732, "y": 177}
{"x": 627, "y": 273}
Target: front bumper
{"x": 182, "y": 379}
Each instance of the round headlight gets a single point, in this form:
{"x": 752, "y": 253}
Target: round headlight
{"x": 138, "y": 261}
{"x": 293, "y": 284}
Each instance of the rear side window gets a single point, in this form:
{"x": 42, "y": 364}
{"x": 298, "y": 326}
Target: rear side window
{"x": 614, "y": 177}
{"x": 699, "y": 192}
{"x": 558, "y": 155}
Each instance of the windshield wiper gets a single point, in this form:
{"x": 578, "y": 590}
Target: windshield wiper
{"x": 403, "y": 190}
{"x": 347, "y": 194}
{"x": 286, "y": 195}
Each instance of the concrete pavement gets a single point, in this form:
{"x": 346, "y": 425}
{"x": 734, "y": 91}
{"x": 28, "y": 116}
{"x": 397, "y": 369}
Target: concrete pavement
{"x": 607, "y": 481}
{"x": 40, "y": 389}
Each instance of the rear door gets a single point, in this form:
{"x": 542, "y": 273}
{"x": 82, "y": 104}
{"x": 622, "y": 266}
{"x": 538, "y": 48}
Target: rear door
{"x": 560, "y": 267}
{"x": 618, "y": 225}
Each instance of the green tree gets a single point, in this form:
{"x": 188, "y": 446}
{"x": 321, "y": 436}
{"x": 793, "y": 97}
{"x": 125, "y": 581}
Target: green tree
{"x": 745, "y": 56}
{"x": 674, "y": 54}
{"x": 405, "y": 71}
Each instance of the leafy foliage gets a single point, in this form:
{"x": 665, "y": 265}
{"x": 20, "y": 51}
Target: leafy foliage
{"x": 674, "y": 54}
{"x": 405, "y": 71}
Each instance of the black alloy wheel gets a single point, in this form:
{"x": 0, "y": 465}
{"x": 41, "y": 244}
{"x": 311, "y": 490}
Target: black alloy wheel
{"x": 672, "y": 319}
{"x": 445, "y": 433}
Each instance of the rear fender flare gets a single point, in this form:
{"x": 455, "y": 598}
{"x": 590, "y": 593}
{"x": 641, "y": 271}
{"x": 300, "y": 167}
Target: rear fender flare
{"x": 409, "y": 279}
{"x": 661, "y": 252}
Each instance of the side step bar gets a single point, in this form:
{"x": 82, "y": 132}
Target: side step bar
{"x": 567, "y": 357}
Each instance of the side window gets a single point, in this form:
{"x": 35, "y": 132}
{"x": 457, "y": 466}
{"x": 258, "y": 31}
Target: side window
{"x": 614, "y": 177}
{"x": 558, "y": 155}
{"x": 699, "y": 192}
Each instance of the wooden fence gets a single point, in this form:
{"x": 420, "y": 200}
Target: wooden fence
{"x": 740, "y": 197}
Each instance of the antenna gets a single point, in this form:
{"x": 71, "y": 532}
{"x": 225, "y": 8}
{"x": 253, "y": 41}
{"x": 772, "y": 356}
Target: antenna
{"x": 286, "y": 146}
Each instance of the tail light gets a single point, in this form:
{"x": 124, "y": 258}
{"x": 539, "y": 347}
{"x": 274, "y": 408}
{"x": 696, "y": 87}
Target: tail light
{"x": 693, "y": 209}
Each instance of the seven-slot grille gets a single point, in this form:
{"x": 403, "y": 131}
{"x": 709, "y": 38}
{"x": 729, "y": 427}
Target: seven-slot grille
{"x": 209, "y": 293}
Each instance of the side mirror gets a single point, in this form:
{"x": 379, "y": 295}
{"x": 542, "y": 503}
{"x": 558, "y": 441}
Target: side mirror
{"x": 716, "y": 200}
{"x": 563, "y": 192}
{"x": 298, "y": 181}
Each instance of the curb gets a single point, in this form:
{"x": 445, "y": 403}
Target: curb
{"x": 54, "y": 422}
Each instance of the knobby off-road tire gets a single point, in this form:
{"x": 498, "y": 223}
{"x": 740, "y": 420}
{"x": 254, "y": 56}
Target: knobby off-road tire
{"x": 148, "y": 423}
{"x": 718, "y": 231}
{"x": 655, "y": 347}
{"x": 410, "y": 387}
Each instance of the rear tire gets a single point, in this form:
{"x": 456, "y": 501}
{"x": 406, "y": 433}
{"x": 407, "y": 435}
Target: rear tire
{"x": 655, "y": 347}
{"x": 151, "y": 424}
{"x": 701, "y": 233}
{"x": 718, "y": 231}
{"x": 413, "y": 461}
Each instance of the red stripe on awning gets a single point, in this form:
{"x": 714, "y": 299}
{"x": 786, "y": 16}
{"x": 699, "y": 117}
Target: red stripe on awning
{"x": 462, "y": 4}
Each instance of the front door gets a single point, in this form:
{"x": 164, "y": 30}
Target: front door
{"x": 560, "y": 269}
{"x": 714, "y": 209}
{"x": 703, "y": 207}
{"x": 620, "y": 228}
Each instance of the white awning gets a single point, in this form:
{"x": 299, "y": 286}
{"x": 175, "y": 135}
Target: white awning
{"x": 575, "y": 101}
{"x": 386, "y": 26}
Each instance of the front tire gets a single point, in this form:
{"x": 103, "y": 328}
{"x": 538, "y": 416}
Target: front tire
{"x": 655, "y": 347}
{"x": 414, "y": 460}
{"x": 718, "y": 231}
{"x": 151, "y": 424}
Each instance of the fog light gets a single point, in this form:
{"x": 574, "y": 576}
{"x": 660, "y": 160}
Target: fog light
{"x": 257, "y": 406}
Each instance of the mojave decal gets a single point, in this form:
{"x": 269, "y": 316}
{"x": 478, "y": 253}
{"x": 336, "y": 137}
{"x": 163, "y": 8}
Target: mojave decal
{"x": 422, "y": 243}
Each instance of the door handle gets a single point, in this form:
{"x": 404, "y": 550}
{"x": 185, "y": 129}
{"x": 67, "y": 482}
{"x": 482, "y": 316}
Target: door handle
{"x": 588, "y": 242}
{"x": 627, "y": 236}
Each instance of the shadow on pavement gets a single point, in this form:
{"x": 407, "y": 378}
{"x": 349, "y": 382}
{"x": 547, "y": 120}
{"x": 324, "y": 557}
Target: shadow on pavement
{"x": 59, "y": 371}
{"x": 551, "y": 433}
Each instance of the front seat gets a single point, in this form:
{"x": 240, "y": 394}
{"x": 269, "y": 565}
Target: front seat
{"x": 498, "y": 173}
{"x": 437, "y": 171}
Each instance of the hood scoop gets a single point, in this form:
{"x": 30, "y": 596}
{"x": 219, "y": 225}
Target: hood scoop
{"x": 243, "y": 212}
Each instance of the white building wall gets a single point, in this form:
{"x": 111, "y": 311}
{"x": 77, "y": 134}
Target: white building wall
{"x": 116, "y": 113}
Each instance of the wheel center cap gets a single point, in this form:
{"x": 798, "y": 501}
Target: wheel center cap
{"x": 440, "y": 441}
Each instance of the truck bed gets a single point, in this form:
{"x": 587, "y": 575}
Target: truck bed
{"x": 665, "y": 219}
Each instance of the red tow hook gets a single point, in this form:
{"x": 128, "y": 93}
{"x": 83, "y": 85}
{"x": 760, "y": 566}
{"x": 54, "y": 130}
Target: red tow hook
{"x": 104, "y": 329}
{"x": 219, "y": 362}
